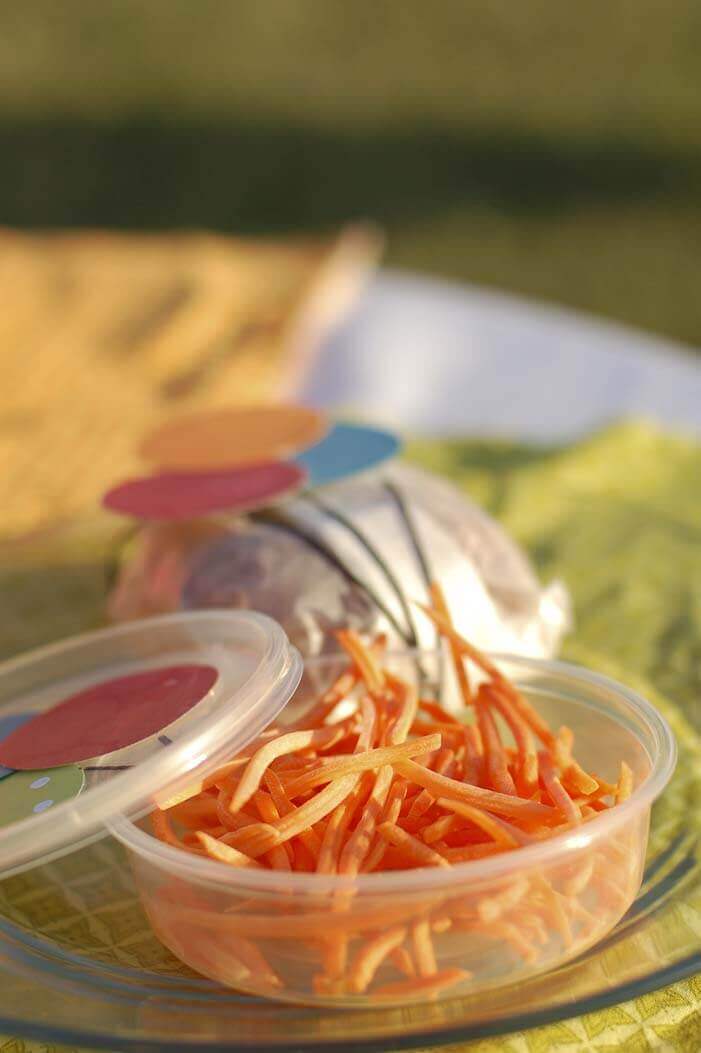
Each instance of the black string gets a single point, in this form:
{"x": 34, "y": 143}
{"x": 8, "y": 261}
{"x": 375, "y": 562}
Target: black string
{"x": 412, "y": 533}
{"x": 315, "y": 542}
{"x": 363, "y": 540}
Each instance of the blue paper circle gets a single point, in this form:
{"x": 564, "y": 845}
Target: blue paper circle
{"x": 346, "y": 450}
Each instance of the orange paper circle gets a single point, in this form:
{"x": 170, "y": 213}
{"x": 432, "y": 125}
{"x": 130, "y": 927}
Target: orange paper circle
{"x": 230, "y": 437}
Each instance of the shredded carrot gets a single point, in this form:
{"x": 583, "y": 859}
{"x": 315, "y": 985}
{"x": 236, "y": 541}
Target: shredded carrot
{"x": 371, "y": 956}
{"x": 365, "y": 661}
{"x": 439, "y": 602}
{"x": 422, "y": 984}
{"x": 336, "y": 828}
{"x": 492, "y": 907}
{"x": 162, "y": 828}
{"x": 625, "y": 784}
{"x": 223, "y": 852}
{"x": 424, "y": 953}
{"x": 358, "y": 844}
{"x": 499, "y": 831}
{"x": 500, "y": 803}
{"x": 495, "y": 753}
{"x": 402, "y": 961}
{"x": 390, "y": 815}
{"x": 528, "y": 760}
{"x": 414, "y": 849}
{"x": 292, "y": 743}
{"x": 393, "y": 781}
{"x": 335, "y": 767}
{"x": 526, "y": 710}
{"x": 555, "y": 790}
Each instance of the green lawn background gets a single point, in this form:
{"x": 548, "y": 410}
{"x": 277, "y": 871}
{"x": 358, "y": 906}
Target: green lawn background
{"x": 553, "y": 149}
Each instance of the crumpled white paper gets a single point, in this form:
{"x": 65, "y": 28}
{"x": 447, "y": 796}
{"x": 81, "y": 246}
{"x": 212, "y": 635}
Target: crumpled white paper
{"x": 356, "y": 554}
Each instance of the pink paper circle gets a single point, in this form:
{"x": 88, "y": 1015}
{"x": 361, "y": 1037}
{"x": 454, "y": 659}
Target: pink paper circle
{"x": 187, "y": 495}
{"x": 107, "y": 717}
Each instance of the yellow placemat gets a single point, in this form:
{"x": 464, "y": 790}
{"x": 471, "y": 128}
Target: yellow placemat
{"x": 103, "y": 335}
{"x": 617, "y": 516}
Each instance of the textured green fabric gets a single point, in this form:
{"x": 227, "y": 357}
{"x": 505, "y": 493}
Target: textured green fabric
{"x": 618, "y": 517}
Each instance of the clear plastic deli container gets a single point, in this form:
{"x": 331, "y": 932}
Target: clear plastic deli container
{"x": 492, "y": 922}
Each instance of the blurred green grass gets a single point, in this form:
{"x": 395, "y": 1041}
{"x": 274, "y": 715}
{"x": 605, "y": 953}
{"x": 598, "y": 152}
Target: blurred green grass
{"x": 550, "y": 149}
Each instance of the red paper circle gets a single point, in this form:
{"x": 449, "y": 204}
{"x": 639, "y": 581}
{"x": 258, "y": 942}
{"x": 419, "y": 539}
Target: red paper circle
{"x": 107, "y": 717}
{"x": 186, "y": 495}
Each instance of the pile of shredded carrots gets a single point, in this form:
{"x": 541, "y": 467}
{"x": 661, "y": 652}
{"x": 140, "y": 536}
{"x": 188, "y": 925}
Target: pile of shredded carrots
{"x": 376, "y": 778}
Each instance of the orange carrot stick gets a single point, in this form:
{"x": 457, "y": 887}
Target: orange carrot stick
{"x": 358, "y": 844}
{"x": 499, "y": 831}
{"x": 625, "y": 784}
{"x": 490, "y": 800}
{"x": 284, "y": 744}
{"x": 556, "y": 791}
{"x": 528, "y": 760}
{"x": 371, "y": 956}
{"x": 439, "y": 602}
{"x": 415, "y": 849}
{"x": 427, "y": 985}
{"x": 422, "y": 944}
{"x": 497, "y": 771}
{"x": 334, "y": 767}
{"x": 526, "y": 710}
{"x": 224, "y": 853}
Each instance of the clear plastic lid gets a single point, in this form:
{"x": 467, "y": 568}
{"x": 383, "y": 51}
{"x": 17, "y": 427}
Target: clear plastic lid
{"x": 252, "y": 672}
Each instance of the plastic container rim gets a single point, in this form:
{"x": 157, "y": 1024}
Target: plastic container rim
{"x": 266, "y": 690}
{"x": 660, "y": 745}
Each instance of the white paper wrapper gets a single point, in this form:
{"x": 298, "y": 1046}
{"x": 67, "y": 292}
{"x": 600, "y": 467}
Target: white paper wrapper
{"x": 355, "y": 554}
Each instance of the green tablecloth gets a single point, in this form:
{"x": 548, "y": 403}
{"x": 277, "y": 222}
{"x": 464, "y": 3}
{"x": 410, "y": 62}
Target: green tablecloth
{"x": 618, "y": 516}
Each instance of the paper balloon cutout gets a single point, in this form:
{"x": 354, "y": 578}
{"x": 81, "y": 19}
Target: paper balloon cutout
{"x": 107, "y": 717}
{"x": 231, "y": 437}
{"x": 8, "y": 725}
{"x": 346, "y": 450}
{"x": 27, "y": 793}
{"x": 173, "y": 496}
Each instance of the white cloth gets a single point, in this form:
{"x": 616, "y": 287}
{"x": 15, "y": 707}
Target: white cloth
{"x": 433, "y": 358}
